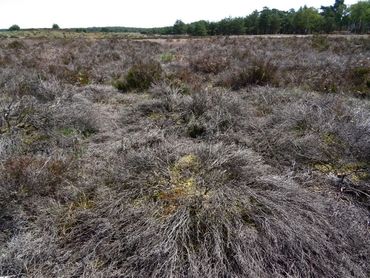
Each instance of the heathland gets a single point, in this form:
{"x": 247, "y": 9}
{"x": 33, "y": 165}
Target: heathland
{"x": 193, "y": 157}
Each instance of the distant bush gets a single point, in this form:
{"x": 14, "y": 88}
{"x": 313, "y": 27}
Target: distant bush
{"x": 55, "y": 27}
{"x": 14, "y": 27}
{"x": 140, "y": 77}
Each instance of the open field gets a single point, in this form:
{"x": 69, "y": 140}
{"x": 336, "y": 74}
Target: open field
{"x": 62, "y": 34}
{"x": 66, "y": 34}
{"x": 213, "y": 157}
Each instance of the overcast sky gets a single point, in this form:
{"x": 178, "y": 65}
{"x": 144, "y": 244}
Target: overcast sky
{"x": 132, "y": 13}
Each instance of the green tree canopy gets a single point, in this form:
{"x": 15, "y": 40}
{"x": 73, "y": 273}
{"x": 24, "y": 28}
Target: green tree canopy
{"x": 179, "y": 27}
{"x": 198, "y": 28}
{"x": 307, "y": 20}
{"x": 14, "y": 27}
{"x": 251, "y": 23}
{"x": 360, "y": 16}
{"x": 231, "y": 26}
{"x": 334, "y": 16}
{"x": 270, "y": 21}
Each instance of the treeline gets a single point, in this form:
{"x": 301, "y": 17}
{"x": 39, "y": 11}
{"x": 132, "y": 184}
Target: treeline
{"x": 109, "y": 30}
{"x": 306, "y": 20}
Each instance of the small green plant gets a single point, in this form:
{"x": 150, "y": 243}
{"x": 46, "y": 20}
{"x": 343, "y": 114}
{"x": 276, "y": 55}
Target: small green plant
{"x": 83, "y": 78}
{"x": 360, "y": 74}
{"x": 301, "y": 127}
{"x": 140, "y": 77}
{"x": 68, "y": 131}
{"x": 195, "y": 129}
{"x": 88, "y": 131}
{"x": 167, "y": 57}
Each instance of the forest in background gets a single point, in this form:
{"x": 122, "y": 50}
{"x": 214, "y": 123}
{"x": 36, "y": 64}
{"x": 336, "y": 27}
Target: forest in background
{"x": 306, "y": 20}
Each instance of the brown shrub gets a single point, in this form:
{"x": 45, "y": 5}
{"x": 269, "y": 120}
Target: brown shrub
{"x": 28, "y": 175}
{"x": 259, "y": 72}
{"x": 70, "y": 76}
{"x": 16, "y": 45}
{"x": 209, "y": 63}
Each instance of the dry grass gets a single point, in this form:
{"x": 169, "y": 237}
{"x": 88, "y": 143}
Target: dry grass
{"x": 240, "y": 157}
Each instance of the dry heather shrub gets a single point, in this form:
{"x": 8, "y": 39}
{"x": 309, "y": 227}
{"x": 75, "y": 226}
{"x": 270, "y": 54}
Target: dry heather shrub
{"x": 215, "y": 113}
{"x": 209, "y": 63}
{"x": 29, "y": 175}
{"x": 186, "y": 78}
{"x": 203, "y": 114}
{"x": 198, "y": 210}
{"x": 18, "y": 84}
{"x": 16, "y": 45}
{"x": 8, "y": 145}
{"x": 259, "y": 72}
{"x": 79, "y": 76}
{"x": 34, "y": 252}
{"x": 77, "y": 116}
{"x": 325, "y": 133}
{"x": 41, "y": 117}
{"x": 5, "y": 60}
{"x": 27, "y": 184}
{"x": 320, "y": 43}
{"x": 15, "y": 112}
{"x": 27, "y": 121}
{"x": 329, "y": 121}
{"x": 325, "y": 82}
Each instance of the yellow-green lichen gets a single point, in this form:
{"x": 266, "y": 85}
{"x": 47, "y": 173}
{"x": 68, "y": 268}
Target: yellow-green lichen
{"x": 30, "y": 138}
{"x": 68, "y": 219}
{"x": 187, "y": 162}
{"x": 156, "y": 116}
{"x": 182, "y": 184}
{"x": 331, "y": 139}
{"x": 354, "y": 171}
{"x": 68, "y": 131}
